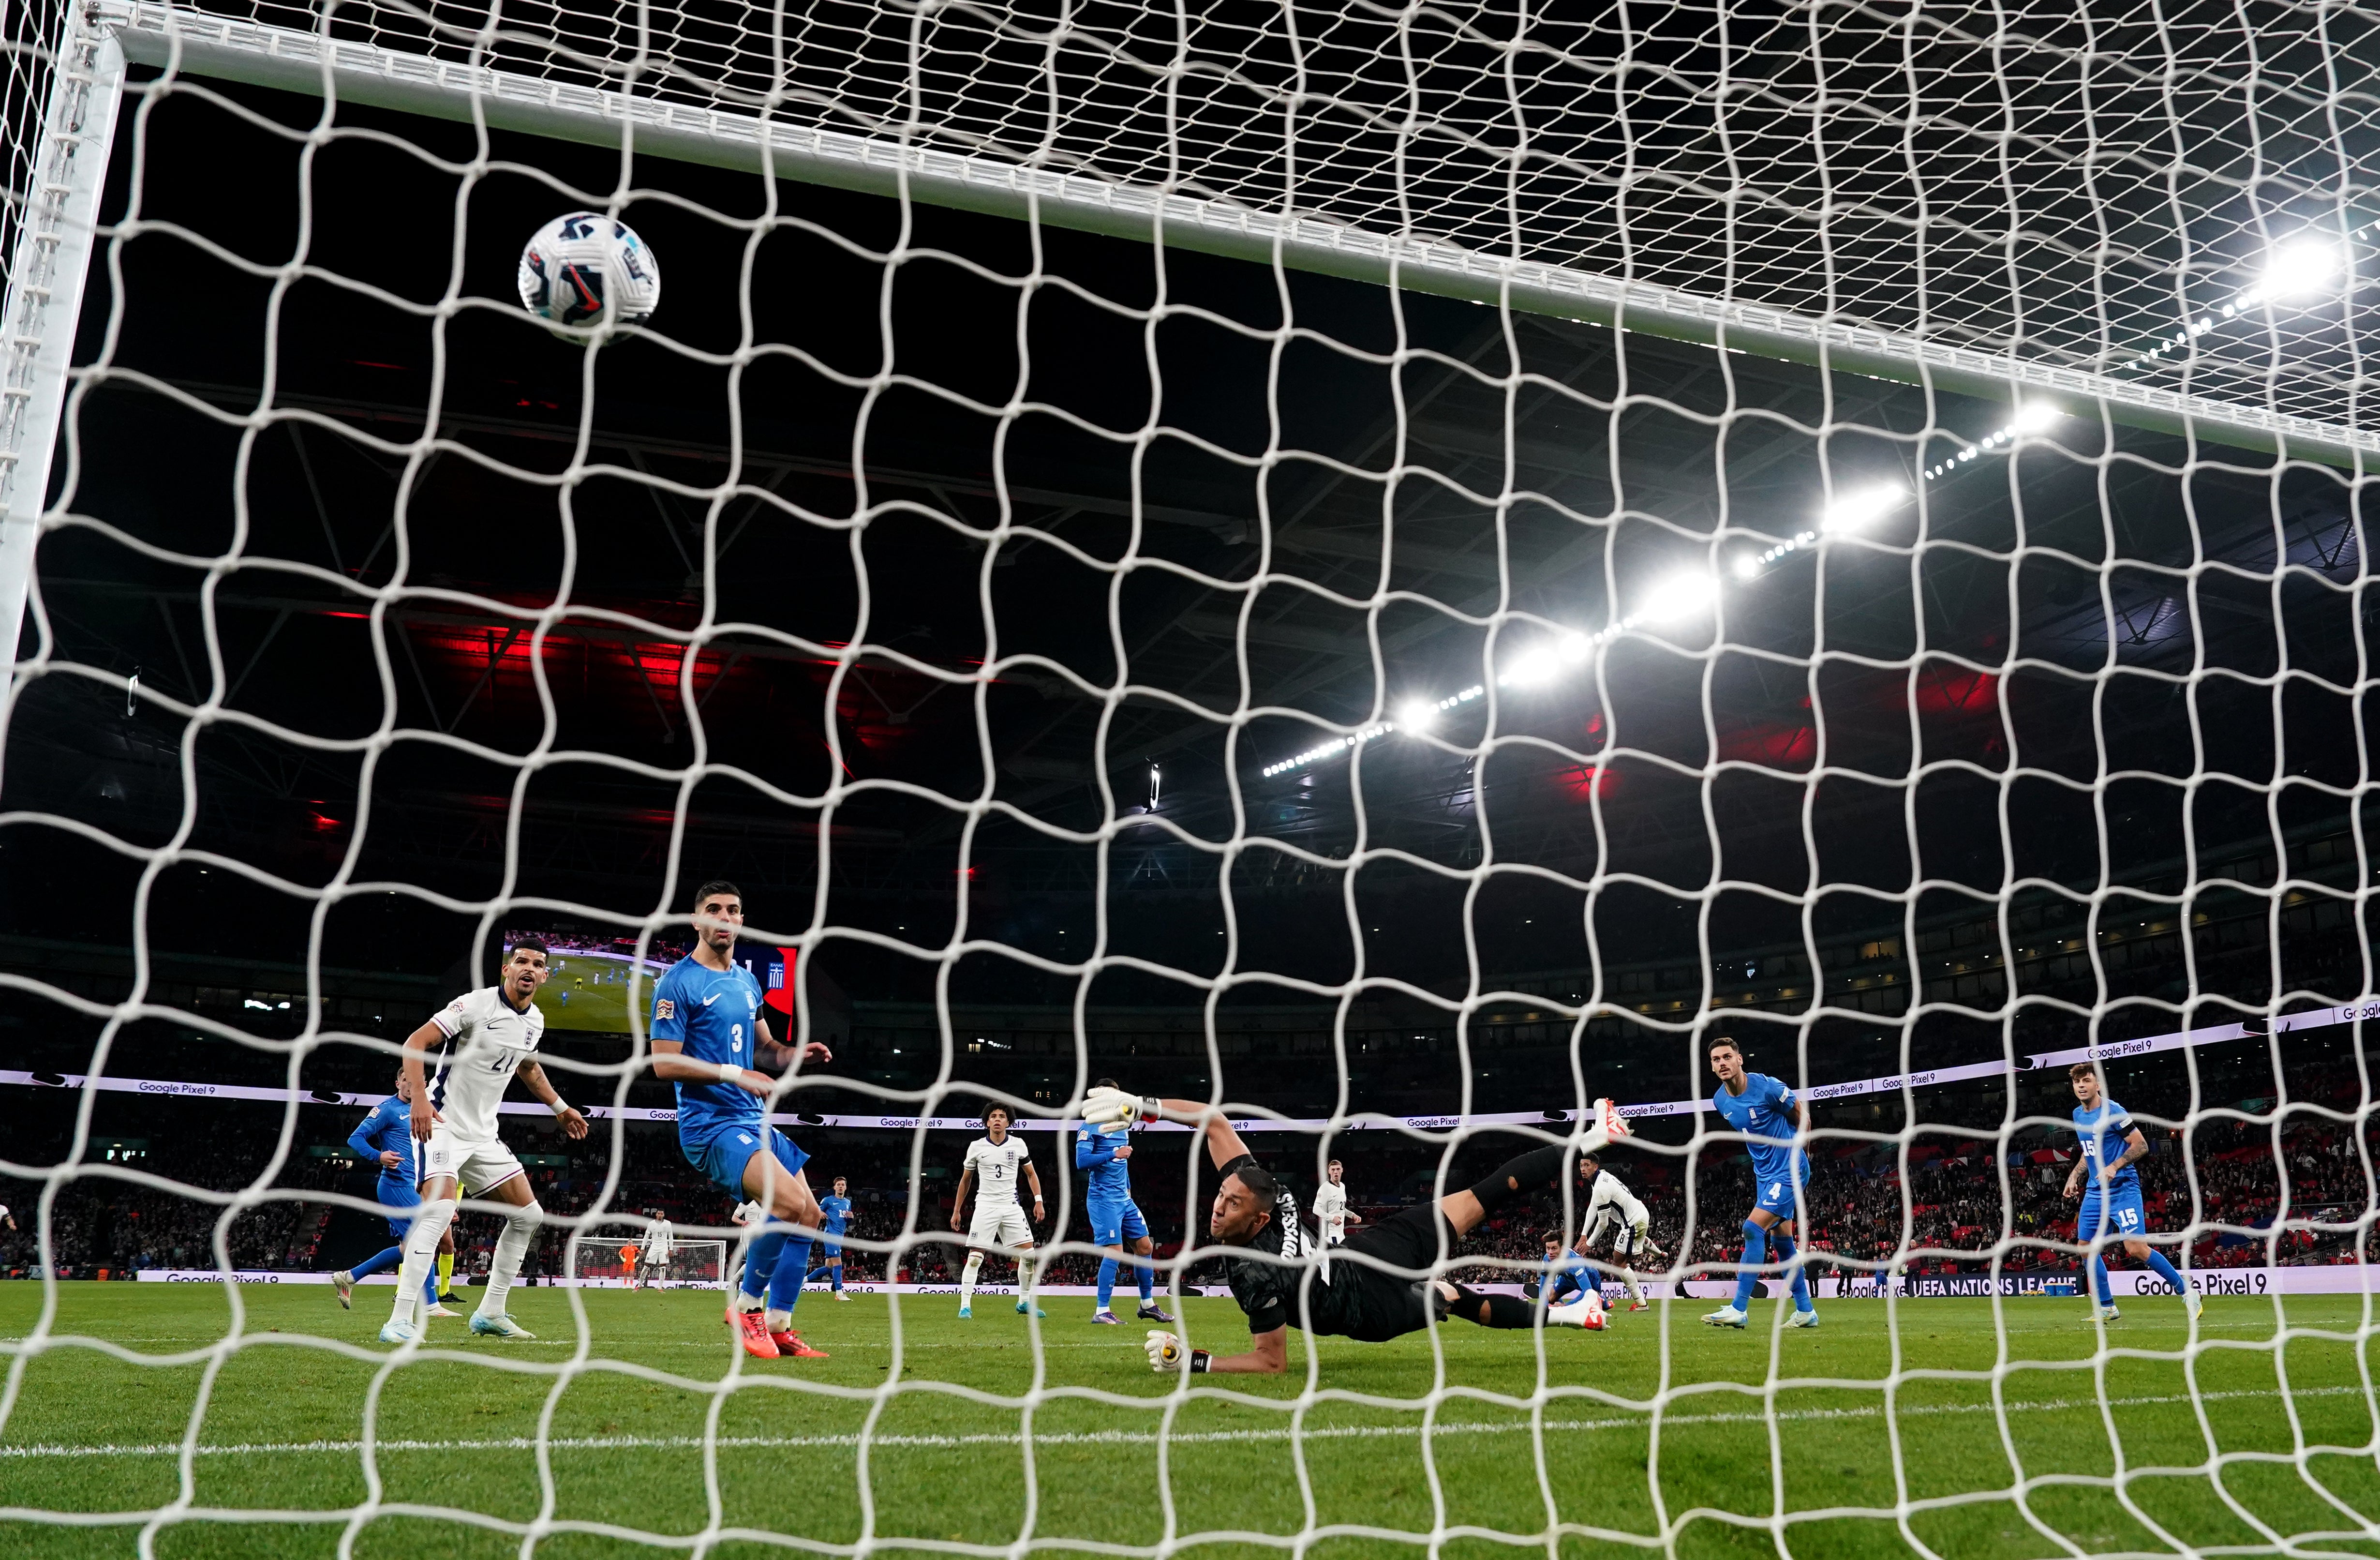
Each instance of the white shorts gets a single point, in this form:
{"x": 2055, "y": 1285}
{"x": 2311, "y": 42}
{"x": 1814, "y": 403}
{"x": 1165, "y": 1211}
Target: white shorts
{"x": 475, "y": 1167}
{"x": 998, "y": 1226}
{"x": 1629, "y": 1242}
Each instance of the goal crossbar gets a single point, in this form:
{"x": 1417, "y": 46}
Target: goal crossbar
{"x": 293, "y": 60}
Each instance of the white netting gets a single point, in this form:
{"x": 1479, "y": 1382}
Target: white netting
{"x": 1400, "y": 721}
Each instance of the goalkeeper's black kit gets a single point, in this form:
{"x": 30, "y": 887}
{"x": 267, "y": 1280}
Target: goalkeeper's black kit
{"x": 1356, "y": 1299}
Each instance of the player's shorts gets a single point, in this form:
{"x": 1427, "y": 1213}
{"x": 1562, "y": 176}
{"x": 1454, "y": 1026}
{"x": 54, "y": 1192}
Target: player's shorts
{"x": 998, "y": 1226}
{"x": 2126, "y": 1217}
{"x": 475, "y": 1166}
{"x": 1114, "y": 1222}
{"x": 721, "y": 1152}
{"x": 396, "y": 1194}
{"x": 1781, "y": 1196}
{"x": 1358, "y": 1300}
{"x": 826, "y": 1250}
{"x": 1630, "y": 1242}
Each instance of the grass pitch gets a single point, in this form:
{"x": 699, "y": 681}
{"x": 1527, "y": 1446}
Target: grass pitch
{"x": 1755, "y": 1424}
{"x": 595, "y": 992}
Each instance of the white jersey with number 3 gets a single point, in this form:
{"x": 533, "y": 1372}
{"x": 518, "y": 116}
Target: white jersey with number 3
{"x": 997, "y": 1168}
{"x": 487, "y": 1039}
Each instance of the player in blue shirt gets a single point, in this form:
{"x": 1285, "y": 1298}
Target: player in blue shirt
{"x": 1568, "y": 1275}
{"x": 1104, "y": 1153}
{"x": 707, "y": 1036}
{"x": 834, "y": 1217}
{"x": 1765, "y": 1110}
{"x": 2111, "y": 1200}
{"x": 386, "y": 1139}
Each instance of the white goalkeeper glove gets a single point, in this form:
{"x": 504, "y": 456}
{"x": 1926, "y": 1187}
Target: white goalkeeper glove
{"x": 1166, "y": 1354}
{"x": 1104, "y": 1106}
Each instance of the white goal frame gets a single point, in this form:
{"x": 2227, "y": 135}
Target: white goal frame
{"x": 587, "y": 1250}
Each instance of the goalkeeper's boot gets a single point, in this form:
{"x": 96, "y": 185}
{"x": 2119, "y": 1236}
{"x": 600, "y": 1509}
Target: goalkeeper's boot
{"x": 1803, "y": 1318}
{"x": 398, "y": 1332}
{"x": 1151, "y": 1312}
{"x": 752, "y": 1331}
{"x": 1726, "y": 1316}
{"x": 789, "y": 1344}
{"x": 344, "y": 1283}
{"x": 498, "y": 1327}
{"x": 1608, "y": 1124}
{"x": 1106, "y": 1318}
{"x": 1025, "y": 1306}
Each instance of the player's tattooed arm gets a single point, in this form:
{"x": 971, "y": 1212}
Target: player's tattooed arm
{"x": 2135, "y": 1147}
{"x": 418, "y": 1046}
{"x": 533, "y": 1075}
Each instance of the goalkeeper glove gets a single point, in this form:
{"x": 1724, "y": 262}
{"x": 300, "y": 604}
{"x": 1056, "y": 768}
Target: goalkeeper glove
{"x": 1104, "y": 1106}
{"x": 1166, "y": 1354}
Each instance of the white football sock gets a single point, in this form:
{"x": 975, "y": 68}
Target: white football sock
{"x": 520, "y": 1228}
{"x": 420, "y": 1253}
{"x": 966, "y": 1278}
{"x": 1635, "y": 1290}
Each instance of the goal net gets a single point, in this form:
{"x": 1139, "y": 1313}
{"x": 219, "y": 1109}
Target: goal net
{"x": 1394, "y": 573}
{"x": 618, "y": 1261}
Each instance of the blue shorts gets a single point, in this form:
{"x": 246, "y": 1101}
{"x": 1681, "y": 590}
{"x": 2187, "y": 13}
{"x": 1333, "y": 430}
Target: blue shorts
{"x": 399, "y": 1194}
{"x": 827, "y": 1251}
{"x": 2126, "y": 1219}
{"x": 1115, "y": 1222}
{"x": 722, "y": 1152}
{"x": 1780, "y": 1196}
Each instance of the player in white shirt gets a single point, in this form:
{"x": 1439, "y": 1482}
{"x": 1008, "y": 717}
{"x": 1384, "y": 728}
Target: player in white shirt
{"x": 1612, "y": 1206}
{"x": 484, "y": 1040}
{"x": 994, "y": 1163}
{"x": 1330, "y": 1210}
{"x": 661, "y": 1243}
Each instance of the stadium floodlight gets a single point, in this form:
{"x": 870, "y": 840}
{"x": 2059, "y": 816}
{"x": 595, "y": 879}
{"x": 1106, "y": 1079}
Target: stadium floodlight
{"x": 1747, "y": 565}
{"x": 2037, "y": 417}
{"x": 1529, "y": 668}
{"x": 2298, "y": 269}
{"x": 1855, "y": 510}
{"x": 1680, "y": 595}
{"x": 1416, "y": 714}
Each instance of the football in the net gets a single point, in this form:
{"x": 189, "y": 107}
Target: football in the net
{"x": 589, "y": 270}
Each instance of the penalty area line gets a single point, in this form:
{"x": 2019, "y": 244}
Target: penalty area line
{"x": 1636, "y": 1420}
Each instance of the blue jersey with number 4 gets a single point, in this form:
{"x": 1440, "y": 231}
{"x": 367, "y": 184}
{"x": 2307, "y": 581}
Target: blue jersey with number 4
{"x": 1765, "y": 1109}
{"x": 715, "y": 1014}
{"x": 2103, "y": 1132}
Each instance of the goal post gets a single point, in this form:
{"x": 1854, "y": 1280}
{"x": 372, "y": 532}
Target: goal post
{"x": 616, "y": 1263}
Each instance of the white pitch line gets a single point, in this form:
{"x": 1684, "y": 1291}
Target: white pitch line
{"x": 1125, "y": 1437}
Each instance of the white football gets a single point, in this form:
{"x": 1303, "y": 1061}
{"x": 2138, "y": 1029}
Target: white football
{"x": 589, "y": 270}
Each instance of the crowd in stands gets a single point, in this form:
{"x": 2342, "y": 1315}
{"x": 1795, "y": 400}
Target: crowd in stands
{"x": 1940, "y": 1201}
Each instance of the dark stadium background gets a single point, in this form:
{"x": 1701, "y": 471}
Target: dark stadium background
{"x": 2191, "y": 929}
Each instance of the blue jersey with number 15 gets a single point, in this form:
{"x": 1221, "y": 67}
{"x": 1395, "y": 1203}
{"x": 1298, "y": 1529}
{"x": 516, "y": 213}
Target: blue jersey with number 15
{"x": 715, "y": 1014}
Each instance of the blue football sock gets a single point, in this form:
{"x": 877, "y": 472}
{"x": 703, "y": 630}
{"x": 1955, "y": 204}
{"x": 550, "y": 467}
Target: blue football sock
{"x": 2165, "y": 1270}
{"x": 1781, "y": 1247}
{"x": 761, "y": 1262}
{"x": 430, "y": 1285}
{"x": 836, "y": 1273}
{"x": 785, "y": 1286}
{"x": 2099, "y": 1281}
{"x": 386, "y": 1261}
{"x": 1755, "y": 1254}
{"x": 1107, "y": 1282}
{"x": 1148, "y": 1276}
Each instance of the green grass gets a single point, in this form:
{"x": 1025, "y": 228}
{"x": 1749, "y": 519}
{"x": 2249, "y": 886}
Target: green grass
{"x": 945, "y": 1461}
{"x": 601, "y": 1005}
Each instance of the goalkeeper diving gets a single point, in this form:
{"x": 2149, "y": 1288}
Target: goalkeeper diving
{"x": 1279, "y": 1286}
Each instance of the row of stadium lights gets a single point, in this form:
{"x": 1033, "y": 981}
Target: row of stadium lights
{"x": 2296, "y": 270}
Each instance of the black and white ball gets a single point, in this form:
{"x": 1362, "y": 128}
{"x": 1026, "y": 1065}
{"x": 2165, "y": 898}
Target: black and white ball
{"x": 589, "y": 270}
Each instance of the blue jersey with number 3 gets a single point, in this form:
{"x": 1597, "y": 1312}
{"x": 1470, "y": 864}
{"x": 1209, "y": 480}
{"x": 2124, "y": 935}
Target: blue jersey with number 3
{"x": 715, "y": 1014}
